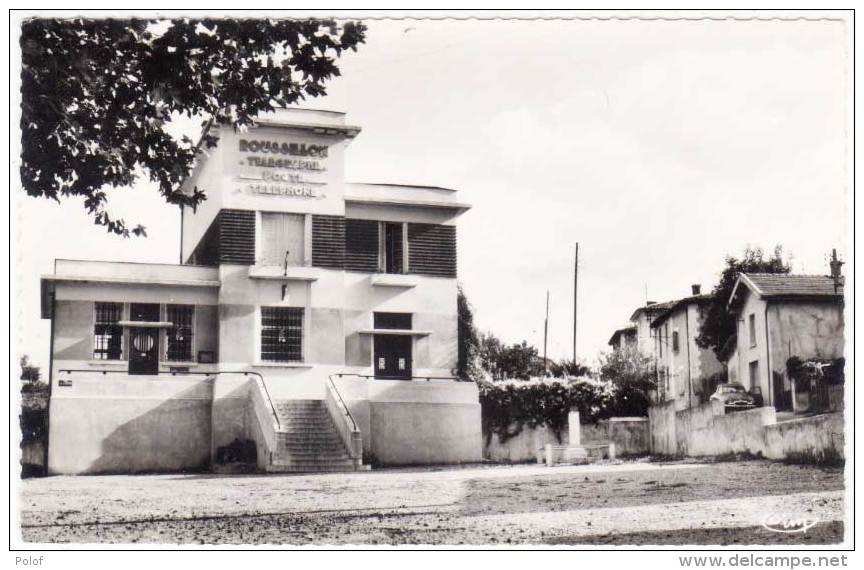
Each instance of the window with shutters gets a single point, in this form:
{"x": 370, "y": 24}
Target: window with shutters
{"x": 282, "y": 240}
{"x": 281, "y": 334}
{"x": 178, "y": 341}
{"x": 107, "y": 332}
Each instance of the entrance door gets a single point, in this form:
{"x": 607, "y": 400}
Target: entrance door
{"x": 392, "y": 356}
{"x": 144, "y": 341}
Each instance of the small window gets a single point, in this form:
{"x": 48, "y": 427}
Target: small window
{"x": 392, "y": 321}
{"x": 281, "y": 334}
{"x": 393, "y": 253}
{"x": 179, "y": 337}
{"x": 752, "y": 323}
{"x": 107, "y": 333}
{"x": 675, "y": 341}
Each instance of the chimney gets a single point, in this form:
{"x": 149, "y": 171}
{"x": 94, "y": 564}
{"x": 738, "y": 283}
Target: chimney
{"x": 649, "y": 303}
{"x": 697, "y": 288}
{"x": 836, "y": 274}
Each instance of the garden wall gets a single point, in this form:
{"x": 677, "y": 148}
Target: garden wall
{"x": 630, "y": 436}
{"x": 708, "y": 430}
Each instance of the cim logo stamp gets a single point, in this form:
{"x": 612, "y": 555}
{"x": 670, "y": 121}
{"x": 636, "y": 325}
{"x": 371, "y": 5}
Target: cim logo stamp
{"x": 787, "y": 524}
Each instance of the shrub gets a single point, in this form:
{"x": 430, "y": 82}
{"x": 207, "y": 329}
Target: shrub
{"x": 508, "y": 406}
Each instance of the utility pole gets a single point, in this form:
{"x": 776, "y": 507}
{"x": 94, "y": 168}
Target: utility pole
{"x": 575, "y": 297}
{"x": 545, "y": 334}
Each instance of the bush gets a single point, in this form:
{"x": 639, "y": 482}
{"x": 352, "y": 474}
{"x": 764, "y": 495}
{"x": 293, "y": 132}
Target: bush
{"x": 508, "y": 406}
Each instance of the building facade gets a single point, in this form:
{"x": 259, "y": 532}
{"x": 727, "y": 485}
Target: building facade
{"x": 641, "y": 319}
{"x": 684, "y": 369}
{"x": 624, "y": 338}
{"x": 778, "y": 317}
{"x": 310, "y": 316}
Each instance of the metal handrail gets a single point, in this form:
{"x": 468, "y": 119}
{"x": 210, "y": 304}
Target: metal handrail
{"x": 341, "y": 401}
{"x": 175, "y": 373}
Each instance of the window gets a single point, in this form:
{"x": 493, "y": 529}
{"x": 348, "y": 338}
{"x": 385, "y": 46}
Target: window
{"x": 281, "y": 334}
{"x": 393, "y": 252}
{"x": 752, "y": 321}
{"x": 107, "y": 333}
{"x": 179, "y": 337}
{"x": 282, "y": 239}
{"x": 392, "y": 321}
{"x": 675, "y": 341}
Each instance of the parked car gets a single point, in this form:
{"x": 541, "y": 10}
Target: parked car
{"x": 734, "y": 397}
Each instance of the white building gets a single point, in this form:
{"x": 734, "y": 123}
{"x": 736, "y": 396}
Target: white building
{"x": 312, "y": 317}
{"x": 778, "y": 317}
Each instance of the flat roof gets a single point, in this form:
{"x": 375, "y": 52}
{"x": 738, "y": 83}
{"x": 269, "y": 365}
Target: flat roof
{"x": 404, "y": 195}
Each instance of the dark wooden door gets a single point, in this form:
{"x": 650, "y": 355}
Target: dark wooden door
{"x": 144, "y": 341}
{"x": 392, "y": 356}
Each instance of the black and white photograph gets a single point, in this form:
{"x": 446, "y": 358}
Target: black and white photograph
{"x": 530, "y": 280}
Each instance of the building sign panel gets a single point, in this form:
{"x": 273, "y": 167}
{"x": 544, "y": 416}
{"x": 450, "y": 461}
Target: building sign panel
{"x": 281, "y": 168}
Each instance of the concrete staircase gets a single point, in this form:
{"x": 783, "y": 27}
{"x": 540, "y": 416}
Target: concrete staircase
{"x": 308, "y": 441}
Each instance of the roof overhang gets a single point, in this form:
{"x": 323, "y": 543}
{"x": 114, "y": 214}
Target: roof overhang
{"x": 748, "y": 284}
{"x": 456, "y": 207}
{"x": 346, "y": 131}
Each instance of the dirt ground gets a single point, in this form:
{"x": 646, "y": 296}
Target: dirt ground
{"x": 622, "y": 503}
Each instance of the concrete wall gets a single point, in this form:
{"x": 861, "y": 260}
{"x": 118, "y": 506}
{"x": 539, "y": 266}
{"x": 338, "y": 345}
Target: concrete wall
{"x": 815, "y": 435}
{"x": 708, "y": 430}
{"x": 121, "y": 424}
{"x": 528, "y": 446}
{"x": 630, "y": 435}
{"x": 415, "y": 422}
{"x": 663, "y": 437}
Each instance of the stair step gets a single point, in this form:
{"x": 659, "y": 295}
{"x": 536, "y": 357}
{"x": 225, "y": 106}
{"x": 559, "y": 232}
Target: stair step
{"x": 312, "y": 461}
{"x": 303, "y": 447}
{"x": 314, "y": 453}
{"x": 312, "y": 468}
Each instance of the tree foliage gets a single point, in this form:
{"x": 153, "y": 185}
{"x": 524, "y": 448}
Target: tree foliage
{"x": 468, "y": 341}
{"x": 29, "y": 373}
{"x": 633, "y": 376}
{"x": 517, "y": 361}
{"x": 719, "y": 324}
{"x": 97, "y": 96}
{"x": 521, "y": 361}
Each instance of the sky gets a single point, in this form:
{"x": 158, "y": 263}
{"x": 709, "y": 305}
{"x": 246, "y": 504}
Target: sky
{"x": 659, "y": 146}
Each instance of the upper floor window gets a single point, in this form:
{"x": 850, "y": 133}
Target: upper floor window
{"x": 752, "y": 323}
{"x": 107, "y": 332}
{"x": 282, "y": 239}
{"x": 675, "y": 346}
{"x": 178, "y": 345}
{"x": 393, "y": 247}
{"x": 282, "y": 334}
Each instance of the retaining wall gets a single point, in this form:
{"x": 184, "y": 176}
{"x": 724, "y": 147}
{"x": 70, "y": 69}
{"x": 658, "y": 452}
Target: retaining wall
{"x": 708, "y": 430}
{"x": 630, "y": 436}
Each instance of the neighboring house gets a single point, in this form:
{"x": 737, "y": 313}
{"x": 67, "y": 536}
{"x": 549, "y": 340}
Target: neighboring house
{"x": 623, "y": 338}
{"x": 642, "y": 318}
{"x": 683, "y": 368}
{"x": 780, "y": 316}
{"x": 289, "y": 273}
